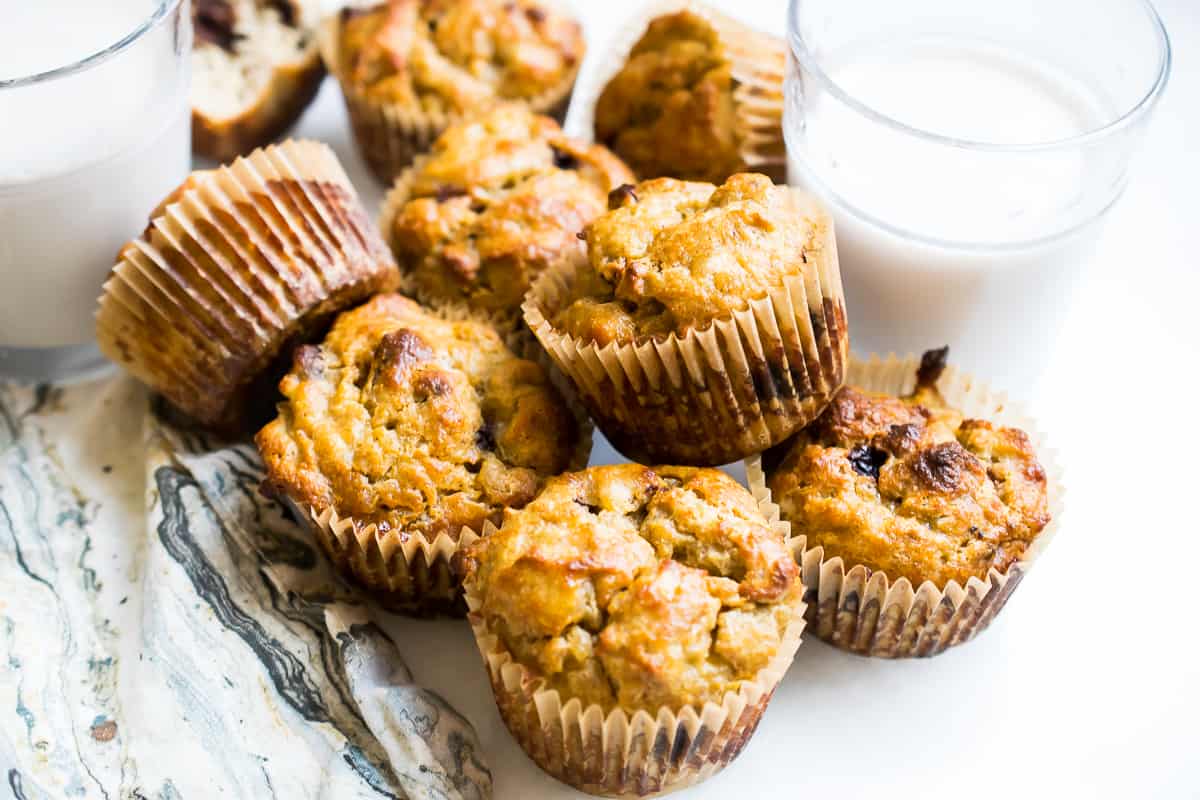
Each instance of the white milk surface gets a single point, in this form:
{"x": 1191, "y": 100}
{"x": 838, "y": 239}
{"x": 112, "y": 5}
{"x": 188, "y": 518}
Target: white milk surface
{"x": 83, "y": 158}
{"x": 972, "y": 93}
{"x": 946, "y": 244}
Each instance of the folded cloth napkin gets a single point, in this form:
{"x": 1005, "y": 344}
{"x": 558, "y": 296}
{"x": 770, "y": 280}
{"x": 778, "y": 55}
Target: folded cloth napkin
{"x": 167, "y": 632}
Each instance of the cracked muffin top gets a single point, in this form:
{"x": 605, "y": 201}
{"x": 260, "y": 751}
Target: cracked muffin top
{"x": 451, "y": 56}
{"x": 909, "y": 486}
{"x": 670, "y": 110}
{"x": 496, "y": 200}
{"x": 414, "y": 423}
{"x": 638, "y": 587}
{"x": 670, "y": 256}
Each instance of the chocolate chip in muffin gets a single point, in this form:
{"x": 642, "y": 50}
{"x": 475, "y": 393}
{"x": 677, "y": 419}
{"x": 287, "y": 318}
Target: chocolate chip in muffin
{"x": 214, "y": 23}
{"x": 933, "y": 363}
{"x": 621, "y": 196}
{"x": 563, "y": 159}
{"x": 867, "y": 460}
{"x": 286, "y": 9}
{"x": 445, "y": 193}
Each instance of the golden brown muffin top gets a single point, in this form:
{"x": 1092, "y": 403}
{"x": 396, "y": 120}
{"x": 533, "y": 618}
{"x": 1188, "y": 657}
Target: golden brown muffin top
{"x": 497, "y": 199}
{"x": 670, "y": 110}
{"x": 908, "y": 486}
{"x": 451, "y": 56}
{"x": 638, "y": 587}
{"x": 414, "y": 423}
{"x": 671, "y": 256}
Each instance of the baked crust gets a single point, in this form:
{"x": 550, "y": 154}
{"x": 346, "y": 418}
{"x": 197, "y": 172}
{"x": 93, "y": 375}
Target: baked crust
{"x": 496, "y": 201}
{"x": 907, "y": 486}
{"x": 638, "y": 587}
{"x": 228, "y": 39}
{"x": 672, "y": 256}
{"x": 451, "y": 56}
{"x": 415, "y": 424}
{"x": 670, "y": 111}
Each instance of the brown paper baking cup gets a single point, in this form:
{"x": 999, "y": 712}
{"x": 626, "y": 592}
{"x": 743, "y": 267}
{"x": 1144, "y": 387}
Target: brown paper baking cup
{"x": 864, "y": 612}
{"x": 714, "y": 395}
{"x": 618, "y": 753}
{"x": 391, "y": 135}
{"x": 403, "y": 572}
{"x": 759, "y": 63}
{"x": 236, "y": 265}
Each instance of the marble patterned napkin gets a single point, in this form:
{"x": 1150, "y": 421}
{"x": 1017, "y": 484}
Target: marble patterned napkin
{"x": 166, "y": 632}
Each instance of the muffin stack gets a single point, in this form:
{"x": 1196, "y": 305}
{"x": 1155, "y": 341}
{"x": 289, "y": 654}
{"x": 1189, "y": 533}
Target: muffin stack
{"x": 441, "y": 374}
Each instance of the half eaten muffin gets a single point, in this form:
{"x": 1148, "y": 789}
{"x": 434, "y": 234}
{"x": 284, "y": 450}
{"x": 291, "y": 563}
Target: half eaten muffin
{"x": 628, "y": 606}
{"x": 400, "y": 432}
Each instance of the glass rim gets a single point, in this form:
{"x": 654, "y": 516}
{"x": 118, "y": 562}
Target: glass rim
{"x": 161, "y": 12}
{"x": 1122, "y": 120}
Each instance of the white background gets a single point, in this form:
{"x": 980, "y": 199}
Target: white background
{"x": 1088, "y": 685}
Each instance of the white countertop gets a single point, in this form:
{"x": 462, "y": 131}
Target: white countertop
{"x": 1047, "y": 702}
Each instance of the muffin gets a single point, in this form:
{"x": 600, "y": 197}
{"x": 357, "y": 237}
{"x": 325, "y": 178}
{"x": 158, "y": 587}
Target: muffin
{"x": 408, "y": 68}
{"x": 704, "y": 324}
{"x": 236, "y": 267}
{"x": 400, "y": 432}
{"x": 894, "y": 490}
{"x": 496, "y": 200}
{"x": 635, "y": 622}
{"x": 699, "y": 97}
{"x": 255, "y": 68}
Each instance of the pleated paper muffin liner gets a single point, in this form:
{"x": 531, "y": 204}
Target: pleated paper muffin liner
{"x": 235, "y": 266}
{"x": 390, "y": 135}
{"x": 714, "y": 395}
{"x": 863, "y": 611}
{"x": 408, "y": 571}
{"x": 758, "y": 61}
{"x": 618, "y": 753}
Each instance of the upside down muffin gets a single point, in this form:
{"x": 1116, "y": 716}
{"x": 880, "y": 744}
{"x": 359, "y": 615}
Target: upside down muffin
{"x": 677, "y": 107}
{"x": 911, "y": 487}
{"x": 238, "y": 265}
{"x": 410, "y": 67}
{"x": 736, "y": 286}
{"x": 401, "y": 427}
{"x": 496, "y": 200}
{"x": 636, "y": 588}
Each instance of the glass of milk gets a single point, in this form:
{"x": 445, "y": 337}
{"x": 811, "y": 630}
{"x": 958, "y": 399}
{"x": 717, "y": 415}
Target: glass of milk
{"x": 94, "y": 132}
{"x": 970, "y": 151}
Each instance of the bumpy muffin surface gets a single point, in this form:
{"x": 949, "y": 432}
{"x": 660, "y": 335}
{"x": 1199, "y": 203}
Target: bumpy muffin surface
{"x": 671, "y": 256}
{"x": 670, "y": 110}
{"x": 413, "y": 423}
{"x": 451, "y": 56}
{"x": 638, "y": 587}
{"x": 497, "y": 199}
{"x": 908, "y": 486}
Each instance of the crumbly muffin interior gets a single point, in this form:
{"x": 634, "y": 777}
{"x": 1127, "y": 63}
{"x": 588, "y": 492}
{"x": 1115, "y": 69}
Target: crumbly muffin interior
{"x": 670, "y": 110}
{"x": 910, "y": 487}
{"x": 671, "y": 256}
{"x": 637, "y": 587}
{"x": 414, "y": 423}
{"x": 450, "y": 56}
{"x": 497, "y": 200}
{"x": 240, "y": 44}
